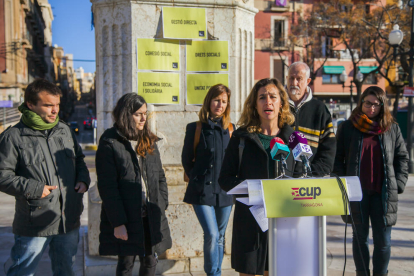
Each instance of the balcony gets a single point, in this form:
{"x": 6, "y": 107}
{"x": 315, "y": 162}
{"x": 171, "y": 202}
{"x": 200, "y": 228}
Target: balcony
{"x": 269, "y": 44}
{"x": 278, "y": 8}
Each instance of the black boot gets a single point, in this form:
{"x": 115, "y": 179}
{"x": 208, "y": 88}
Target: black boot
{"x": 362, "y": 273}
{"x": 377, "y": 274}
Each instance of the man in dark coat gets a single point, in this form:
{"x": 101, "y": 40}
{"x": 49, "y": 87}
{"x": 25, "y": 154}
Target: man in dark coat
{"x": 312, "y": 118}
{"x": 42, "y": 166}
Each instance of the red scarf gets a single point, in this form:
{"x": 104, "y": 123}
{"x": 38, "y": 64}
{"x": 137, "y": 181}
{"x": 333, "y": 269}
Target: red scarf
{"x": 366, "y": 125}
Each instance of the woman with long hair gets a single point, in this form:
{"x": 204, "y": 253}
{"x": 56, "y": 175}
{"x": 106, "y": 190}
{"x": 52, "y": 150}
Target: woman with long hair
{"x": 202, "y": 157}
{"x": 133, "y": 189}
{"x": 370, "y": 146}
{"x": 265, "y": 115}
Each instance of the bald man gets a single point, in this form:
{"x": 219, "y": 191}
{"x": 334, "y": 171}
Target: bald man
{"x": 312, "y": 118}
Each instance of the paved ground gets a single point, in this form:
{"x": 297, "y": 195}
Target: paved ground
{"x": 402, "y": 255}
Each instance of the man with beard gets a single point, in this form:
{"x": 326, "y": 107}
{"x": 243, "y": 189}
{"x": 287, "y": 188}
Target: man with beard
{"x": 312, "y": 118}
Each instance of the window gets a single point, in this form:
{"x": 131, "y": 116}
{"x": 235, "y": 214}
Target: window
{"x": 371, "y": 79}
{"x": 330, "y": 79}
{"x": 279, "y": 33}
{"x": 278, "y": 70}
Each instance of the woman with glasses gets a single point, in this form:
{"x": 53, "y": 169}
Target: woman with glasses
{"x": 370, "y": 146}
{"x": 133, "y": 189}
{"x": 202, "y": 163}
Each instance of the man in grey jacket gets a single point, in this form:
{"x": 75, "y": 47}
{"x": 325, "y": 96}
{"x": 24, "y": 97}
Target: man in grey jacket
{"x": 42, "y": 166}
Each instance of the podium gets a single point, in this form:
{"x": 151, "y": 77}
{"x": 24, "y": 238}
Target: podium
{"x": 296, "y": 210}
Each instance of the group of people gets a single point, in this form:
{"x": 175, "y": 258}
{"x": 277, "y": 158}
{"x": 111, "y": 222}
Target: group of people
{"x": 42, "y": 166}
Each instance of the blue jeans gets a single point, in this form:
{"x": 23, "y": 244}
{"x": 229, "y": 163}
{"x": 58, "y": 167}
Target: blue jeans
{"x": 214, "y": 221}
{"x": 27, "y": 252}
{"x": 371, "y": 207}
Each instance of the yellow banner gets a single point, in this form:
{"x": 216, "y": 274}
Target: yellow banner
{"x": 184, "y": 23}
{"x": 158, "y": 54}
{"x": 303, "y": 197}
{"x": 207, "y": 56}
{"x": 159, "y": 88}
{"x": 199, "y": 84}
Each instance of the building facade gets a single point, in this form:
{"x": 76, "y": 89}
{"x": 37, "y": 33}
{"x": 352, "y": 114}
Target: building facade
{"x": 275, "y": 51}
{"x": 25, "y": 49}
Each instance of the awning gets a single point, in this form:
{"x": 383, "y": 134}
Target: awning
{"x": 367, "y": 69}
{"x": 333, "y": 69}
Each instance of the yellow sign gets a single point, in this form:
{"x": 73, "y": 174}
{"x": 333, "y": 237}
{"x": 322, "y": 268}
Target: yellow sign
{"x": 184, "y": 23}
{"x": 303, "y": 197}
{"x": 207, "y": 56}
{"x": 158, "y": 54}
{"x": 159, "y": 88}
{"x": 199, "y": 84}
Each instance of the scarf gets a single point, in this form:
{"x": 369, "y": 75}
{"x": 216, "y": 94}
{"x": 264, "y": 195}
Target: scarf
{"x": 366, "y": 125}
{"x": 34, "y": 121}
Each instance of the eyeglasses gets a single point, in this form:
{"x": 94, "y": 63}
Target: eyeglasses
{"x": 368, "y": 104}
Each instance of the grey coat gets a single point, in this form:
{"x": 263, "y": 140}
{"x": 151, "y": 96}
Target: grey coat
{"x": 395, "y": 158}
{"x": 29, "y": 160}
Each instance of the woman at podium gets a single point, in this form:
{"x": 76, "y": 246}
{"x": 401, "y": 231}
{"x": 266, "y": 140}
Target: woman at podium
{"x": 204, "y": 145}
{"x": 265, "y": 116}
{"x": 370, "y": 145}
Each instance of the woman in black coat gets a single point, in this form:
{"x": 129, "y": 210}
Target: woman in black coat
{"x": 133, "y": 189}
{"x": 202, "y": 165}
{"x": 265, "y": 116}
{"x": 370, "y": 145}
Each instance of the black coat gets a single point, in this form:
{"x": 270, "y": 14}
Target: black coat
{"x": 203, "y": 188}
{"x": 119, "y": 185}
{"x": 249, "y": 243}
{"x": 395, "y": 157}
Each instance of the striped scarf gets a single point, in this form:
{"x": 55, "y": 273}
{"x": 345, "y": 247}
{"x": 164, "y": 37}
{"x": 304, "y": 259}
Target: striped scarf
{"x": 366, "y": 125}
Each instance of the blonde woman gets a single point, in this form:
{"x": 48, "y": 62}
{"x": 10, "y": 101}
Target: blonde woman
{"x": 202, "y": 163}
{"x": 265, "y": 115}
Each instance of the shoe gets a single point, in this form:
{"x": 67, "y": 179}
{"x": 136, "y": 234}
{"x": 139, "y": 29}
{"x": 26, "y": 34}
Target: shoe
{"x": 362, "y": 273}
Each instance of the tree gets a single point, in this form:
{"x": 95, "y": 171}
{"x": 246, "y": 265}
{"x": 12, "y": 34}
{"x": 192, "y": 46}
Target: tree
{"x": 350, "y": 26}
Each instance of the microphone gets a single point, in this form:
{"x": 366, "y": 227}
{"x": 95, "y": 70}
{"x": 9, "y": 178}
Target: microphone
{"x": 301, "y": 150}
{"x": 279, "y": 152}
{"x": 278, "y": 149}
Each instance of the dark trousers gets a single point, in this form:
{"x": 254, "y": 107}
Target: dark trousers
{"x": 371, "y": 207}
{"x": 148, "y": 262}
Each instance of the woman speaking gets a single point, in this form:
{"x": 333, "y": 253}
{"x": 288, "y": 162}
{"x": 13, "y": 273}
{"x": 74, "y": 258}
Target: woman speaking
{"x": 265, "y": 116}
{"x": 133, "y": 188}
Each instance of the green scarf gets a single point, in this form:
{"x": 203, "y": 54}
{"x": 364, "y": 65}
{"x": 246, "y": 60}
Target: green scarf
{"x": 34, "y": 121}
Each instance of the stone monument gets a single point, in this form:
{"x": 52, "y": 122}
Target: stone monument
{"x": 118, "y": 25}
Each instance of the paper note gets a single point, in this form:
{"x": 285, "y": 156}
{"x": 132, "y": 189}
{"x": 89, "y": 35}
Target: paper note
{"x": 159, "y": 88}
{"x": 184, "y": 23}
{"x": 258, "y": 214}
{"x": 199, "y": 84}
{"x": 158, "y": 54}
{"x": 240, "y": 189}
{"x": 244, "y": 200}
{"x": 255, "y": 192}
{"x": 207, "y": 56}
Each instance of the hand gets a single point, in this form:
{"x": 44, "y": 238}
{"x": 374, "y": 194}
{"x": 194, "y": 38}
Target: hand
{"x": 47, "y": 189}
{"x": 120, "y": 232}
{"x": 80, "y": 187}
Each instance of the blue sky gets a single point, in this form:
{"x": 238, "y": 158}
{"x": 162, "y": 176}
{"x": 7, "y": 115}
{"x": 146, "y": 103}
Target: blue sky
{"x": 71, "y": 29}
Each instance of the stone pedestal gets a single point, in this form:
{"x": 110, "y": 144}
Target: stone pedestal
{"x": 118, "y": 24}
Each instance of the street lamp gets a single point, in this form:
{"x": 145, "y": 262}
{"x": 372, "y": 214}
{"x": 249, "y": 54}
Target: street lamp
{"x": 344, "y": 76}
{"x": 395, "y": 38}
